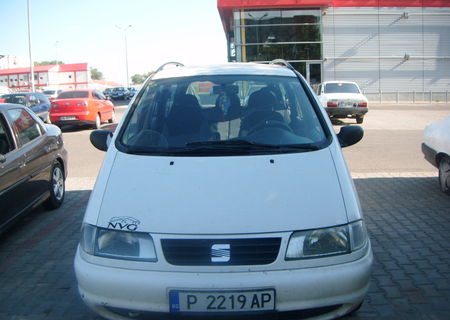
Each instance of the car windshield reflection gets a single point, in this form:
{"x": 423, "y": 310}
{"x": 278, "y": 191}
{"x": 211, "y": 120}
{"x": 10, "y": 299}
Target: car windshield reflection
{"x": 224, "y": 115}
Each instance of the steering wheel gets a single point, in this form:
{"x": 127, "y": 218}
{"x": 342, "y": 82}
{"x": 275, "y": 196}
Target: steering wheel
{"x": 266, "y": 124}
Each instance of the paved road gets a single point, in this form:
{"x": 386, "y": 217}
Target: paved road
{"x": 407, "y": 216}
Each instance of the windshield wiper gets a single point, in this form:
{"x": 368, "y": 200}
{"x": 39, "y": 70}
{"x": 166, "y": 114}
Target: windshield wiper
{"x": 248, "y": 143}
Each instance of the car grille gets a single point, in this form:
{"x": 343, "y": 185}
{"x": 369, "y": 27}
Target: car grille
{"x": 205, "y": 252}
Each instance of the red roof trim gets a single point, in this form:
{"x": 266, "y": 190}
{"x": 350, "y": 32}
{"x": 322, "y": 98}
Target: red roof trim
{"x": 73, "y": 67}
{"x": 52, "y": 67}
{"x": 239, "y": 4}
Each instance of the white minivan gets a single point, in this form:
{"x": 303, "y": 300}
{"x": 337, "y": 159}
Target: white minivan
{"x": 224, "y": 192}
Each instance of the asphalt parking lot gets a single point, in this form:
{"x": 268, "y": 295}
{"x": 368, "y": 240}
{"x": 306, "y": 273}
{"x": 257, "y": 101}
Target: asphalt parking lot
{"x": 408, "y": 219}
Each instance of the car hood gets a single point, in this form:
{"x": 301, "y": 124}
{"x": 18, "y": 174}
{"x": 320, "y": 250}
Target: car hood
{"x": 345, "y": 96}
{"x": 222, "y": 195}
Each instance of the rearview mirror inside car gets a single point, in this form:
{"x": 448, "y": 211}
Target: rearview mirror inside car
{"x": 101, "y": 139}
{"x": 350, "y": 135}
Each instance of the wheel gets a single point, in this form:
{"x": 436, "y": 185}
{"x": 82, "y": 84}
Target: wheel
{"x": 113, "y": 117}
{"x": 98, "y": 122}
{"x": 444, "y": 175}
{"x": 359, "y": 119}
{"x": 57, "y": 188}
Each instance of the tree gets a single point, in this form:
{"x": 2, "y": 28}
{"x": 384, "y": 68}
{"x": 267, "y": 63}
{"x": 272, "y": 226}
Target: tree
{"x": 96, "y": 75}
{"x": 45, "y": 63}
{"x": 140, "y": 78}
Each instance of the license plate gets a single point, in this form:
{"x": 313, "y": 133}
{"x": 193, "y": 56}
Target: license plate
{"x": 68, "y": 118}
{"x": 222, "y": 301}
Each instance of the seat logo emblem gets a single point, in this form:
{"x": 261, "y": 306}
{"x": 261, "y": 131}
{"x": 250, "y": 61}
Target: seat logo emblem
{"x": 220, "y": 253}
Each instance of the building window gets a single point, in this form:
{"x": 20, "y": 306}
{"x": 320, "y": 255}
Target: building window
{"x": 264, "y": 35}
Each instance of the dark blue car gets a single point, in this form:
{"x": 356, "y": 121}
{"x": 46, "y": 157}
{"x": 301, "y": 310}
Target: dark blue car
{"x": 36, "y": 101}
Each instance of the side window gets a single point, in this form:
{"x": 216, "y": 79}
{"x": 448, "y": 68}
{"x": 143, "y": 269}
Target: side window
{"x": 5, "y": 139}
{"x": 27, "y": 128}
{"x": 97, "y": 95}
{"x": 32, "y": 101}
{"x": 101, "y": 96}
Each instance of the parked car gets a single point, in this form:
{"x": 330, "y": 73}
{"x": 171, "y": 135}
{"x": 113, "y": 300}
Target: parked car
{"x": 224, "y": 207}
{"x": 107, "y": 92}
{"x": 436, "y": 149}
{"x": 131, "y": 92}
{"x": 82, "y": 107}
{"x": 51, "y": 94}
{"x": 343, "y": 99}
{"x": 33, "y": 164}
{"x": 2, "y": 100}
{"x": 36, "y": 101}
{"x": 119, "y": 93}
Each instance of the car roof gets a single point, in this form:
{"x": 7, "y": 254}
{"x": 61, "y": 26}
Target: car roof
{"x": 20, "y": 93}
{"x": 78, "y": 90}
{"x": 233, "y": 68}
{"x": 337, "y": 81}
{"x": 7, "y": 106}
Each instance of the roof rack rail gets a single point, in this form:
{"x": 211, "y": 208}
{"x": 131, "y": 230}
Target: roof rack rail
{"x": 176, "y": 64}
{"x": 282, "y": 62}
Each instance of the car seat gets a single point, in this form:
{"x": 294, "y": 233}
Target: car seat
{"x": 185, "y": 122}
{"x": 260, "y": 108}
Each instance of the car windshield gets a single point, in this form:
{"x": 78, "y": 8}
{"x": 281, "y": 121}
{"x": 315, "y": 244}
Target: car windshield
{"x": 73, "y": 95}
{"x": 222, "y": 115}
{"x": 15, "y": 98}
{"x": 341, "y": 88}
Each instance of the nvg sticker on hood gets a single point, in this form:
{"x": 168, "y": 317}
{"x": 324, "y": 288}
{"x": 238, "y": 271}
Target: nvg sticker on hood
{"x": 124, "y": 223}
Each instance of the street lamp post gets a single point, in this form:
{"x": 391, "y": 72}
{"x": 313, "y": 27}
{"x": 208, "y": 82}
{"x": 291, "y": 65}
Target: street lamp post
{"x": 126, "y": 50}
{"x": 29, "y": 49}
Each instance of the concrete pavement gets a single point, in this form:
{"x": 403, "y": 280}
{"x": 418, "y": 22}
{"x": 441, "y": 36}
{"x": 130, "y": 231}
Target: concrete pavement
{"x": 407, "y": 216}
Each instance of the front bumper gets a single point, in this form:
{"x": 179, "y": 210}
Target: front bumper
{"x": 344, "y": 112}
{"x": 429, "y": 154}
{"x": 344, "y": 285}
{"x": 81, "y": 118}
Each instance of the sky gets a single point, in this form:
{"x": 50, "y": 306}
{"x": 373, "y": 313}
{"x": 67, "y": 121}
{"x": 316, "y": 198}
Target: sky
{"x": 76, "y": 31}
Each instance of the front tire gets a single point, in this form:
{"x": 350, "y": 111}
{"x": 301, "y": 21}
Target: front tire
{"x": 444, "y": 175}
{"x": 113, "y": 117}
{"x": 57, "y": 188}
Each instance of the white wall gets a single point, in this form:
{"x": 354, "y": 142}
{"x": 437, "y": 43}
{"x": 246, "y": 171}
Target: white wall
{"x": 388, "y": 49}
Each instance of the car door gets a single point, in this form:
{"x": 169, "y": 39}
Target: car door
{"x": 36, "y": 148}
{"x": 13, "y": 196}
{"x": 43, "y": 102}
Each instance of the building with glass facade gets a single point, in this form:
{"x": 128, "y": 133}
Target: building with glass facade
{"x": 390, "y": 47}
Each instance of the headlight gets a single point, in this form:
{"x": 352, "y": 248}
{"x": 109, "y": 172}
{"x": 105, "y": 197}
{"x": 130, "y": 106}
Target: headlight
{"x": 117, "y": 244}
{"x": 326, "y": 242}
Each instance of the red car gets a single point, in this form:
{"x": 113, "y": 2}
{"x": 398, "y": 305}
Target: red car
{"x": 81, "y": 107}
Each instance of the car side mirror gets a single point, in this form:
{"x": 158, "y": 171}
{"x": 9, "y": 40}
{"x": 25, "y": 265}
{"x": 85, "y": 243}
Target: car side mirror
{"x": 101, "y": 139}
{"x": 350, "y": 135}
